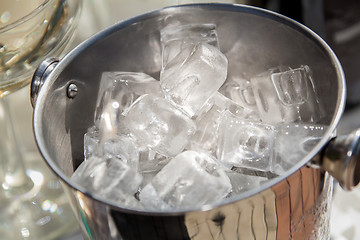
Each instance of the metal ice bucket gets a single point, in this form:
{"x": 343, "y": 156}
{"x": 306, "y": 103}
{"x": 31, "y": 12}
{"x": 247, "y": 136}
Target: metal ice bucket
{"x": 292, "y": 206}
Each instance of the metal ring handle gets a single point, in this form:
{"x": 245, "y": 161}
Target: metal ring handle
{"x": 39, "y": 77}
{"x": 342, "y": 160}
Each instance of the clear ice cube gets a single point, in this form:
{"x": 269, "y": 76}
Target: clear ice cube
{"x": 159, "y": 125}
{"x": 110, "y": 122}
{"x": 205, "y": 137}
{"x": 207, "y": 122}
{"x": 244, "y": 143}
{"x": 223, "y": 102}
{"x": 118, "y": 90}
{"x": 191, "y": 179}
{"x": 176, "y": 38}
{"x": 240, "y": 91}
{"x": 151, "y": 162}
{"x": 286, "y": 95}
{"x": 294, "y": 141}
{"x": 193, "y": 76}
{"x": 103, "y": 176}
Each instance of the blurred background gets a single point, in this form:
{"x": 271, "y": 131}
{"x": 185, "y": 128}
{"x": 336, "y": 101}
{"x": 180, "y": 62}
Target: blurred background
{"x": 337, "y": 22}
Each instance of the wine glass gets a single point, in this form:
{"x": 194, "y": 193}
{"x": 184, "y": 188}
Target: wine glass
{"x": 33, "y": 204}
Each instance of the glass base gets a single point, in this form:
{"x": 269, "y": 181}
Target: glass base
{"x": 40, "y": 212}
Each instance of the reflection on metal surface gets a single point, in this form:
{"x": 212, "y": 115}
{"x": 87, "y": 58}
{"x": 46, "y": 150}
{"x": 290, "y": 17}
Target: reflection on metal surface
{"x": 41, "y": 73}
{"x": 302, "y": 205}
{"x": 296, "y": 208}
{"x": 253, "y": 218}
{"x": 293, "y": 209}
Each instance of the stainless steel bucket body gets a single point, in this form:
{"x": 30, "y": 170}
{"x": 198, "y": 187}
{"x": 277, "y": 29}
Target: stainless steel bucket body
{"x": 292, "y": 206}
{"x": 295, "y": 208}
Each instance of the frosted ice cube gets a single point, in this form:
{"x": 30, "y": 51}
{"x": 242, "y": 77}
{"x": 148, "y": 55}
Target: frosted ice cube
{"x": 156, "y": 123}
{"x": 122, "y": 147}
{"x": 121, "y": 89}
{"x": 193, "y": 76}
{"x": 286, "y": 95}
{"x": 294, "y": 141}
{"x": 102, "y": 176}
{"x": 176, "y": 38}
{"x": 240, "y": 91}
{"x": 207, "y": 122}
{"x": 191, "y": 179}
{"x": 91, "y": 142}
{"x": 243, "y": 143}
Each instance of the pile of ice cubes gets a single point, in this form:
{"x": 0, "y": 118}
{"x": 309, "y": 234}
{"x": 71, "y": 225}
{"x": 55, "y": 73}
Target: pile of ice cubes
{"x": 197, "y": 136}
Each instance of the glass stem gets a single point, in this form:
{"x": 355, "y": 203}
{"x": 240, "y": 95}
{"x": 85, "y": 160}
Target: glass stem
{"x": 11, "y": 158}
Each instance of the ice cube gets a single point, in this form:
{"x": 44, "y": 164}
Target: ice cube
{"x": 193, "y": 76}
{"x": 91, "y": 142}
{"x": 123, "y": 147}
{"x": 121, "y": 89}
{"x": 240, "y": 91}
{"x": 294, "y": 141}
{"x": 205, "y": 137}
{"x": 110, "y": 122}
{"x": 102, "y": 176}
{"x": 191, "y": 179}
{"x": 223, "y": 102}
{"x": 207, "y": 122}
{"x": 156, "y": 123}
{"x": 244, "y": 143}
{"x": 176, "y": 38}
{"x": 242, "y": 182}
{"x": 117, "y": 196}
{"x": 151, "y": 162}
{"x": 286, "y": 95}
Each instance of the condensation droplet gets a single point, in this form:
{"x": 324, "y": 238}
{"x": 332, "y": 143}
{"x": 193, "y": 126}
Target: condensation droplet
{"x": 5, "y": 17}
